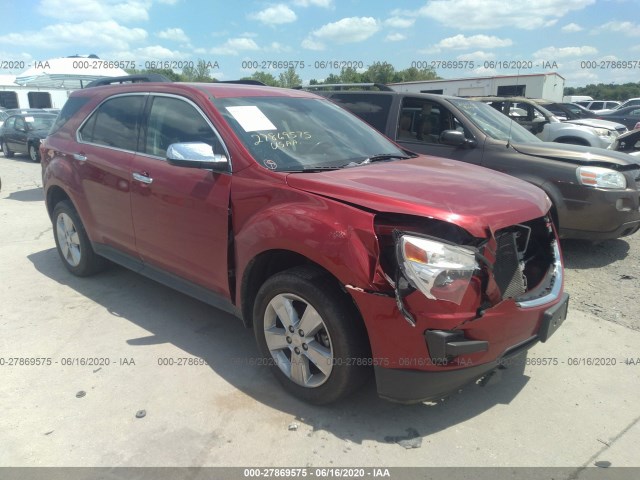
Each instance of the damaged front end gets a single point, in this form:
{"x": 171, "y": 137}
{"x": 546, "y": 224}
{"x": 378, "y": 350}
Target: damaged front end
{"x": 439, "y": 272}
{"x": 459, "y": 305}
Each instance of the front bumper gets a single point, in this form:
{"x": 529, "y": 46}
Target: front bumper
{"x": 413, "y": 386}
{"x": 599, "y": 214}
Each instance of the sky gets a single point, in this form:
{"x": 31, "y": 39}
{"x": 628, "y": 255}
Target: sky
{"x": 585, "y": 41}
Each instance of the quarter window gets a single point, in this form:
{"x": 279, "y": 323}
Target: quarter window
{"x": 172, "y": 120}
{"x": 115, "y": 123}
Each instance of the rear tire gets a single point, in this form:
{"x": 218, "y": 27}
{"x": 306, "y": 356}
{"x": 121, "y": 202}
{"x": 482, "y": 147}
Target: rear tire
{"x": 5, "y": 150}
{"x": 73, "y": 243}
{"x": 311, "y": 335}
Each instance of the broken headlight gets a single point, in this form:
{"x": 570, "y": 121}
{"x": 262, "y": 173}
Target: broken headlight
{"x": 439, "y": 270}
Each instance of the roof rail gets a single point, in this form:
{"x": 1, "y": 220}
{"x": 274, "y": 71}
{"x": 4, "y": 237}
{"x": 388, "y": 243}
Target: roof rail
{"x": 245, "y": 81}
{"x": 149, "y": 77}
{"x": 344, "y": 86}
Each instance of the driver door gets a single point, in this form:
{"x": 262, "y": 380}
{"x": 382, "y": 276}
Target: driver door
{"x": 180, "y": 215}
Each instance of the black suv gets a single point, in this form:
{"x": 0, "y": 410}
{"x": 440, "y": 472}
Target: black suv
{"x": 595, "y": 192}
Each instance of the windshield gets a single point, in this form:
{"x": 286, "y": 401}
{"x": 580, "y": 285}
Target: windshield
{"x": 39, "y": 122}
{"x": 493, "y": 123}
{"x": 293, "y": 134}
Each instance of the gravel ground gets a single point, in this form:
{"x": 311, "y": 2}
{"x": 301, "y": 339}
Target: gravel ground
{"x": 603, "y": 278}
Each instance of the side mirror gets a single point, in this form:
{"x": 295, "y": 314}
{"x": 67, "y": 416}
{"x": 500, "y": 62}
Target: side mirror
{"x": 455, "y": 138}
{"x": 196, "y": 155}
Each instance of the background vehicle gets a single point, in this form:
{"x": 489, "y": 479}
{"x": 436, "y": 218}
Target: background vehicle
{"x": 567, "y": 111}
{"x": 599, "y": 104}
{"x": 628, "y": 116}
{"x": 542, "y": 123}
{"x": 628, "y": 143}
{"x": 22, "y": 133}
{"x": 341, "y": 250}
{"x": 473, "y": 132}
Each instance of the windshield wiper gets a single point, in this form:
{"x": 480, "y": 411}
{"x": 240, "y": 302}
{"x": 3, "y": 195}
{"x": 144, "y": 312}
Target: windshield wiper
{"x": 319, "y": 168}
{"x": 381, "y": 157}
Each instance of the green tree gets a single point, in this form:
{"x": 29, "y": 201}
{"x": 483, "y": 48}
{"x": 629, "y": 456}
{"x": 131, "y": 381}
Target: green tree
{"x": 263, "y": 77}
{"x": 289, "y": 78}
{"x": 200, "y": 72}
{"x": 379, "y": 72}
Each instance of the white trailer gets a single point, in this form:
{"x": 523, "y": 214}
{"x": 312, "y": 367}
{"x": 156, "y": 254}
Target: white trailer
{"x": 13, "y": 95}
{"x": 549, "y": 86}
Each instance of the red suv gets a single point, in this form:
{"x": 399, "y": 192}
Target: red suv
{"x": 344, "y": 252}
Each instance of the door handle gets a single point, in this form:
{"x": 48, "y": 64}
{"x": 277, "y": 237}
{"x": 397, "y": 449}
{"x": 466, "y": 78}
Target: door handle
{"x": 80, "y": 157}
{"x": 142, "y": 177}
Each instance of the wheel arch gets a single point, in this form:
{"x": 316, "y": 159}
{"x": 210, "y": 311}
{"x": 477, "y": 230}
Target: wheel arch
{"x": 56, "y": 194}
{"x": 270, "y": 262}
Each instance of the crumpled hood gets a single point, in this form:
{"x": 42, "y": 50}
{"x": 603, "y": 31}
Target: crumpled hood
{"x": 474, "y": 198}
{"x": 597, "y": 123}
{"x": 577, "y": 154}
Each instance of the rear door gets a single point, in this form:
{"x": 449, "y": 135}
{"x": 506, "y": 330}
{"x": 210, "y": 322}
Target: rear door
{"x": 180, "y": 215}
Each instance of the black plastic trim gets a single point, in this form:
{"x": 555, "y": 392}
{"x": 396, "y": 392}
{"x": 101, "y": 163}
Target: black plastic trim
{"x": 166, "y": 278}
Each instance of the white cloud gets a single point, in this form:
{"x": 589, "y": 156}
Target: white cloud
{"x": 310, "y": 44}
{"x": 395, "y": 37}
{"x": 461, "y": 42}
{"x": 278, "y": 47}
{"x": 108, "y": 34}
{"x": 96, "y": 10}
{"x": 571, "y": 28}
{"x": 234, "y": 46}
{"x": 174, "y": 34}
{"x": 476, "y": 56}
{"x": 492, "y": 14}
{"x": 627, "y": 28}
{"x": 168, "y": 2}
{"x": 157, "y": 52}
{"x": 552, "y": 53}
{"x": 275, "y": 15}
{"x": 348, "y": 30}
{"x": 316, "y": 3}
{"x": 399, "y": 22}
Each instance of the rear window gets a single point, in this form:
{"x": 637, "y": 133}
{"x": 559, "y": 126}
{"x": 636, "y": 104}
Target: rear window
{"x": 373, "y": 109}
{"x": 71, "y": 106}
{"x": 115, "y": 123}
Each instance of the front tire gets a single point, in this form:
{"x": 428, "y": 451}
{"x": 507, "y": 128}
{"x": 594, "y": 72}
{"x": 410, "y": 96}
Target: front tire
{"x": 73, "y": 243}
{"x": 34, "y": 154}
{"x": 311, "y": 335}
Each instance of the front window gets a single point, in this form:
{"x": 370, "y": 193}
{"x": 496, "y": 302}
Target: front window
{"x": 492, "y": 123}
{"x": 294, "y": 134}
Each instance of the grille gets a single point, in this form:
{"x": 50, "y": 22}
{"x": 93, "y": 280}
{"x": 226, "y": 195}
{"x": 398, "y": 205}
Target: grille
{"x": 507, "y": 270}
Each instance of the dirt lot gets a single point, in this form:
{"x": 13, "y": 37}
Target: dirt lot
{"x": 568, "y": 413}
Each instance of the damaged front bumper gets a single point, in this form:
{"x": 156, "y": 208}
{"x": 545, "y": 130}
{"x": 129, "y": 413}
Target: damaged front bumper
{"x": 423, "y": 348}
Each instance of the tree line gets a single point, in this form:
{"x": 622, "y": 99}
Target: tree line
{"x": 603, "y": 91}
{"x": 380, "y": 72}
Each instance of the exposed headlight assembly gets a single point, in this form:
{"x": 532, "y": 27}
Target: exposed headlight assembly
{"x": 439, "y": 270}
{"x": 601, "y": 177}
{"x": 603, "y": 132}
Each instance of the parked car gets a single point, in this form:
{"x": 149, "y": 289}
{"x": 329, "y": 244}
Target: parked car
{"x": 595, "y": 192}
{"x": 628, "y": 143}
{"x": 542, "y": 123}
{"x": 628, "y": 116}
{"x": 341, "y": 250}
{"x": 23, "y": 133}
{"x": 567, "y": 111}
{"x": 599, "y": 104}
{"x": 632, "y": 102}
